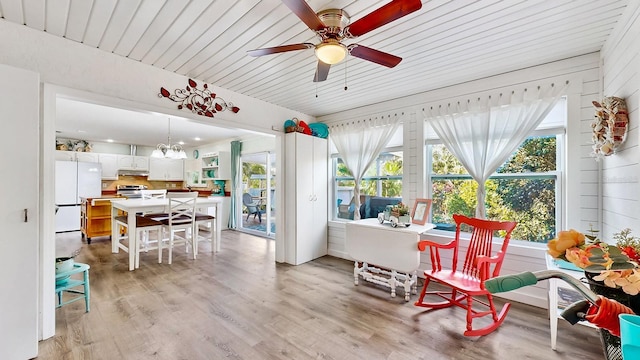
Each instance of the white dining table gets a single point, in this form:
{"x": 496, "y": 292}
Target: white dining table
{"x": 133, "y": 206}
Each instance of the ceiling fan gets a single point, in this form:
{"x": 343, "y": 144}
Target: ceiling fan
{"x": 332, "y": 26}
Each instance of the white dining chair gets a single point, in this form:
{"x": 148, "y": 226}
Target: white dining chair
{"x": 144, "y": 226}
{"x": 151, "y": 194}
{"x": 145, "y": 241}
{"x": 179, "y": 223}
{"x": 208, "y": 221}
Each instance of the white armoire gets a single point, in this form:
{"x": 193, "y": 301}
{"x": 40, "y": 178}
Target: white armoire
{"x": 306, "y": 193}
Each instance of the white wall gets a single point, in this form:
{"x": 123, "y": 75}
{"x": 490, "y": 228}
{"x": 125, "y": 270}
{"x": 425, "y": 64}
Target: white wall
{"x": 81, "y": 72}
{"x": 620, "y": 172}
{"x": 579, "y": 190}
{"x": 252, "y": 144}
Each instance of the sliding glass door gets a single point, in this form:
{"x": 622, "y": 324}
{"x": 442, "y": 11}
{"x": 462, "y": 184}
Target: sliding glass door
{"x": 258, "y": 194}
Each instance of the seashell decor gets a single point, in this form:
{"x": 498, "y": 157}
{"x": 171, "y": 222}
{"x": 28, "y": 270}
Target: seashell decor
{"x": 609, "y": 126}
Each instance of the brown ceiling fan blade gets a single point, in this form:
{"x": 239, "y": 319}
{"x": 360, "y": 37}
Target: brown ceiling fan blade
{"x": 322, "y": 71}
{"x": 373, "y": 55}
{"x": 305, "y": 13}
{"x": 280, "y": 49}
{"x": 384, "y": 15}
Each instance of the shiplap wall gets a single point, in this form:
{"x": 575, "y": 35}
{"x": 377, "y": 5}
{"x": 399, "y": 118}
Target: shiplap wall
{"x": 579, "y": 182}
{"x": 620, "y": 172}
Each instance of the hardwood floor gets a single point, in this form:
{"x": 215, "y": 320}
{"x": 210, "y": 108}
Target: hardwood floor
{"x": 240, "y": 304}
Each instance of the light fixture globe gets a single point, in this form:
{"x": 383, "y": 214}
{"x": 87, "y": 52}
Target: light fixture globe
{"x": 157, "y": 153}
{"x": 331, "y": 51}
{"x": 168, "y": 151}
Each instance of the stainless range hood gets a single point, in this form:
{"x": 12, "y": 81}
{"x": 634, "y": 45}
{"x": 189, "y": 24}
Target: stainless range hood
{"x": 133, "y": 172}
{"x": 129, "y": 172}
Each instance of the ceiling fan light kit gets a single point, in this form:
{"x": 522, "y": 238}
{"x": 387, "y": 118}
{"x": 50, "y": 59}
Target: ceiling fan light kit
{"x": 333, "y": 25}
{"x": 331, "y": 52}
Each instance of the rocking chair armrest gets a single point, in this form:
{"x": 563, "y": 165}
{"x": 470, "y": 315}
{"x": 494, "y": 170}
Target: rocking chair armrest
{"x": 483, "y": 264}
{"x": 422, "y": 244}
{"x": 493, "y": 259}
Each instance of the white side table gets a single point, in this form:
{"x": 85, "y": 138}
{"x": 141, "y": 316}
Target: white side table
{"x": 389, "y": 256}
{"x": 561, "y": 295}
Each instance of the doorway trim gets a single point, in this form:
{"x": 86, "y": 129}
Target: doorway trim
{"x": 269, "y": 164}
{"x": 47, "y": 246}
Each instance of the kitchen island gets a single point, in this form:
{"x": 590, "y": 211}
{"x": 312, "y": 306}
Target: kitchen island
{"x": 95, "y": 216}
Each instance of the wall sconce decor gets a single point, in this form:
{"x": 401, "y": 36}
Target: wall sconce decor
{"x": 609, "y": 127}
{"x": 202, "y": 102}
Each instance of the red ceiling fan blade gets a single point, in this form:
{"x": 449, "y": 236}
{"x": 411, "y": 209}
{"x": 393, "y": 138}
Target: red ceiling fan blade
{"x": 384, "y": 15}
{"x": 305, "y": 13}
{"x": 280, "y": 49}
{"x": 373, "y": 55}
{"x": 322, "y": 71}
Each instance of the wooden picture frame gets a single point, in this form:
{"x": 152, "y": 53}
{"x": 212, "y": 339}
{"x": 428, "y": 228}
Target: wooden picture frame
{"x": 420, "y": 211}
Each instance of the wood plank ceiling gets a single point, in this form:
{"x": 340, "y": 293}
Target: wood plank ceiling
{"x": 444, "y": 43}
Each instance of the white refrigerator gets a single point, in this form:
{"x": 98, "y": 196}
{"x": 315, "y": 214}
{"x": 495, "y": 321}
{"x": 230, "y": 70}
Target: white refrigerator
{"x": 72, "y": 181}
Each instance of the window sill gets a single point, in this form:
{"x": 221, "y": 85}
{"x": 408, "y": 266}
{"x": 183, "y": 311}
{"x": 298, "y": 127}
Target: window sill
{"x": 516, "y": 247}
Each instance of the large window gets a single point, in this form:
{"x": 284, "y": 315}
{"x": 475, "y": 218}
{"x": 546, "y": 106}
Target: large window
{"x": 383, "y": 179}
{"x": 525, "y": 189}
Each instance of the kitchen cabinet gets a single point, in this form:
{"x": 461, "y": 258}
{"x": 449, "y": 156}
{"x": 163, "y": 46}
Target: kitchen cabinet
{"x": 132, "y": 162}
{"x": 216, "y": 166}
{"x": 193, "y": 173}
{"x": 76, "y": 156}
{"x": 95, "y": 218}
{"x": 109, "y": 166}
{"x": 166, "y": 169}
{"x": 64, "y": 155}
{"x": 306, "y": 181}
{"x": 87, "y": 157}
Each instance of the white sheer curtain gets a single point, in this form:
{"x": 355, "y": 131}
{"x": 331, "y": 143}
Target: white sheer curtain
{"x": 359, "y": 144}
{"x": 483, "y": 136}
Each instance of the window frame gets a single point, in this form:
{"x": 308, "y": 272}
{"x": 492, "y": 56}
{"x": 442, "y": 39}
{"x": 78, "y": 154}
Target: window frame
{"x": 560, "y": 134}
{"x": 334, "y": 179}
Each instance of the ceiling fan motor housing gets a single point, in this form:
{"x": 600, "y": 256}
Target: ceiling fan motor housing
{"x": 335, "y": 20}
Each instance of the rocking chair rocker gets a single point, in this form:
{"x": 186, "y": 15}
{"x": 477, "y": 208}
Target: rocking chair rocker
{"x": 480, "y": 264}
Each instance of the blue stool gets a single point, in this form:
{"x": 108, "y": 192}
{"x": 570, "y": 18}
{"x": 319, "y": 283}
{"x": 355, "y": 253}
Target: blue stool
{"x": 64, "y": 283}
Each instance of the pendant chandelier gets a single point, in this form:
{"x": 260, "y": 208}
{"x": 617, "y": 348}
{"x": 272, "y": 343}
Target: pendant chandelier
{"x": 169, "y": 151}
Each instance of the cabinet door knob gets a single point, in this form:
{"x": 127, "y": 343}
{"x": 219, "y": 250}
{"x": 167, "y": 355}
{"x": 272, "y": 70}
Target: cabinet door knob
{"x": 26, "y": 215}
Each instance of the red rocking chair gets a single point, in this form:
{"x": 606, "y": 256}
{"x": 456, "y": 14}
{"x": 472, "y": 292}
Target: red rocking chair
{"x": 480, "y": 264}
